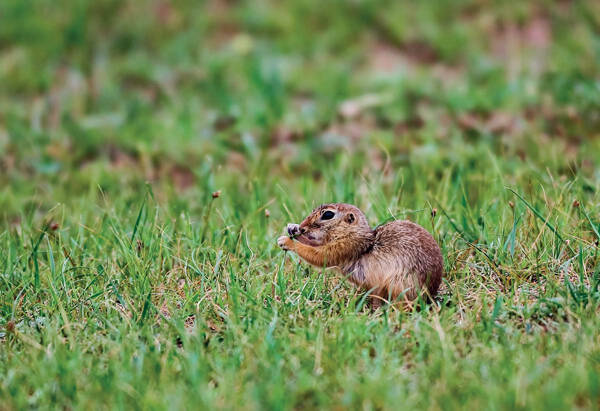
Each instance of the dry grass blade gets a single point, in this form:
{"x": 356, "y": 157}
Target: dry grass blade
{"x": 542, "y": 218}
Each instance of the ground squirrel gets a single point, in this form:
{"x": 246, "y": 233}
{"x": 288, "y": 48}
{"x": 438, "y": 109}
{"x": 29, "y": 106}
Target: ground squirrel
{"x": 396, "y": 260}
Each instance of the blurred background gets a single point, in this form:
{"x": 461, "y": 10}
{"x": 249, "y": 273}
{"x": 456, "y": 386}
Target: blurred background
{"x": 194, "y": 96}
{"x": 151, "y": 152}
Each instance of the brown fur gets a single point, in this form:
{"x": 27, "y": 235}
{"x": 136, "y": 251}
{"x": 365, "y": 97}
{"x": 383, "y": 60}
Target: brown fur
{"x": 397, "y": 260}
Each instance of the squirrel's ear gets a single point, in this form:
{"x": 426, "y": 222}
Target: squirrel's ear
{"x": 350, "y": 218}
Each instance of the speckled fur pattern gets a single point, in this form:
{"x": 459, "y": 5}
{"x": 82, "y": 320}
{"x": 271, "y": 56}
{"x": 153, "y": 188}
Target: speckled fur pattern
{"x": 396, "y": 261}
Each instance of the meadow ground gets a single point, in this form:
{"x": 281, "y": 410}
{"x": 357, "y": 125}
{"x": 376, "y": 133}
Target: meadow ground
{"x": 125, "y": 283}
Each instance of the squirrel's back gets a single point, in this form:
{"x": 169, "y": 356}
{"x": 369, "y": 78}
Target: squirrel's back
{"x": 406, "y": 258}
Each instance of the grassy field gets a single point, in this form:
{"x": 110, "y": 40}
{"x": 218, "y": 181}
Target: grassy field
{"x": 126, "y": 283}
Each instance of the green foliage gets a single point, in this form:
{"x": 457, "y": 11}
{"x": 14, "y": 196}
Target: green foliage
{"x": 126, "y": 283}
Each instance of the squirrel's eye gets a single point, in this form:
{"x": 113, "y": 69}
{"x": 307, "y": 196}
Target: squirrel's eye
{"x": 327, "y": 215}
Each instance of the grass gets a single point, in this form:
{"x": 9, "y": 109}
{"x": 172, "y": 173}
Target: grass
{"x": 125, "y": 283}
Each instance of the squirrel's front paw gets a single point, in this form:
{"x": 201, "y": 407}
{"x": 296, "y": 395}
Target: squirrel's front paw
{"x": 285, "y": 243}
{"x": 293, "y": 229}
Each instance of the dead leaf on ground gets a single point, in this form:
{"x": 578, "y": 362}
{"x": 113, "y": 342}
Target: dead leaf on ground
{"x": 124, "y": 311}
{"x": 223, "y": 123}
{"x": 538, "y": 32}
{"x": 352, "y": 108}
{"x": 385, "y": 58}
{"x": 497, "y": 122}
{"x": 164, "y": 311}
{"x": 413, "y": 123}
{"x": 521, "y": 47}
{"x": 236, "y": 161}
{"x": 225, "y": 27}
{"x": 420, "y": 52}
{"x": 183, "y": 178}
{"x": 120, "y": 158}
{"x": 212, "y": 325}
{"x": 190, "y": 321}
{"x": 284, "y": 134}
{"x": 7, "y": 162}
{"x": 349, "y": 131}
{"x": 166, "y": 14}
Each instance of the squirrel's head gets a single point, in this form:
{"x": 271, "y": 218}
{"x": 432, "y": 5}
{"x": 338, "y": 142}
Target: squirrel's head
{"x": 328, "y": 224}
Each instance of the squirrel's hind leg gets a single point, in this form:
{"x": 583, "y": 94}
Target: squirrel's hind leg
{"x": 377, "y": 298}
{"x": 375, "y": 302}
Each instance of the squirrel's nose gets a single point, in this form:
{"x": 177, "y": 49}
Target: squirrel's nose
{"x": 293, "y": 229}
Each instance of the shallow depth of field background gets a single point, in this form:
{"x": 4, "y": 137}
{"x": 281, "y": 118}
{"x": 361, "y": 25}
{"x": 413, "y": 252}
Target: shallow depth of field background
{"x": 126, "y": 283}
